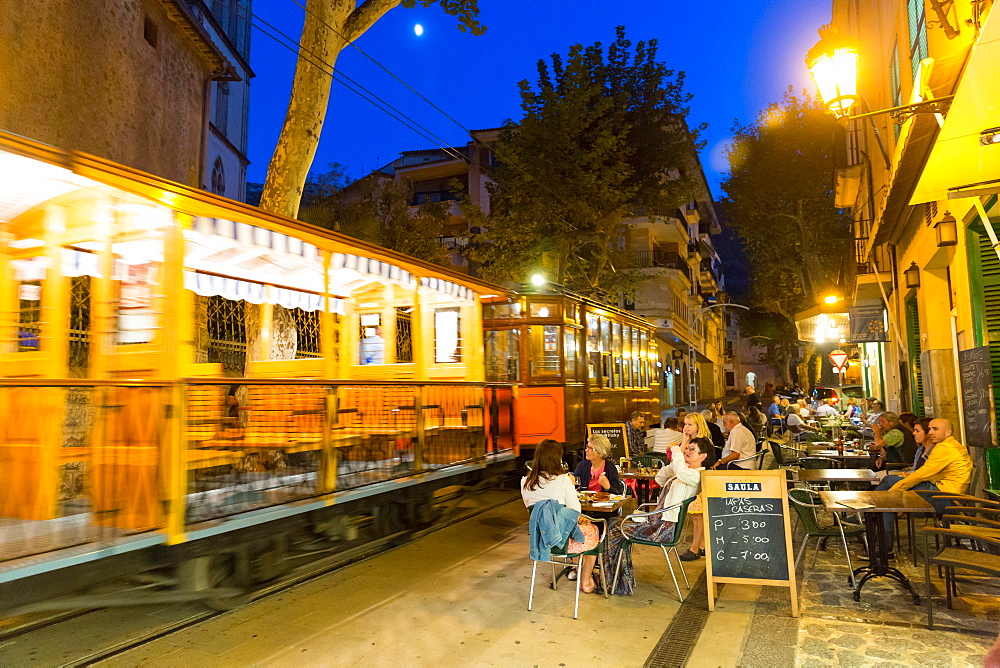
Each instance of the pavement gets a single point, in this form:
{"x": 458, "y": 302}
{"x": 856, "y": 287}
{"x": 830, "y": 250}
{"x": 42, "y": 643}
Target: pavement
{"x": 458, "y": 597}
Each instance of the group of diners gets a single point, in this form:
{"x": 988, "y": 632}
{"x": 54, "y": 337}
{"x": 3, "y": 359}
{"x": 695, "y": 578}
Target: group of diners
{"x": 727, "y": 432}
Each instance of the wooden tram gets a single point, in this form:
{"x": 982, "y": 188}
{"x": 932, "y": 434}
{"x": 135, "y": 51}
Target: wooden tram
{"x": 574, "y": 361}
{"x": 178, "y": 369}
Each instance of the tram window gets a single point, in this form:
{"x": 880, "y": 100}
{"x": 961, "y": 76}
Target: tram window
{"x": 593, "y": 364}
{"x": 447, "y": 335}
{"x": 616, "y": 370}
{"x": 404, "y": 335}
{"x": 501, "y": 310}
{"x": 570, "y": 352}
{"x": 593, "y": 336}
{"x": 502, "y": 355}
{"x": 544, "y": 310}
{"x": 30, "y": 274}
{"x": 227, "y": 333}
{"x": 307, "y": 337}
{"x": 605, "y": 336}
{"x": 616, "y": 338}
{"x": 544, "y": 350}
{"x": 627, "y": 354}
{"x": 371, "y": 345}
{"x": 79, "y": 323}
{"x": 637, "y": 354}
{"x": 607, "y": 378}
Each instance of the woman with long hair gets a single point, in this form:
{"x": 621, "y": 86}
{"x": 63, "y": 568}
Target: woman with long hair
{"x": 548, "y": 480}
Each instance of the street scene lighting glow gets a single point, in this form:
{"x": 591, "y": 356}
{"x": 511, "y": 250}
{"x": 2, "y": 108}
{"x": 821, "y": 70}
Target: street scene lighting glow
{"x": 831, "y": 299}
{"x": 538, "y": 279}
{"x": 418, "y": 30}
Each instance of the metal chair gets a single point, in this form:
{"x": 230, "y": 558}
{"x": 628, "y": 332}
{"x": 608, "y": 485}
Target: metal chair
{"x": 563, "y": 558}
{"x": 777, "y": 450}
{"x": 802, "y": 501}
{"x": 758, "y": 460}
{"x": 667, "y": 547}
{"x": 981, "y": 558}
{"x": 819, "y": 463}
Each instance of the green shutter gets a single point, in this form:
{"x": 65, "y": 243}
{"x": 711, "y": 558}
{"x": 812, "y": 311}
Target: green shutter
{"x": 989, "y": 280}
{"x": 913, "y": 352}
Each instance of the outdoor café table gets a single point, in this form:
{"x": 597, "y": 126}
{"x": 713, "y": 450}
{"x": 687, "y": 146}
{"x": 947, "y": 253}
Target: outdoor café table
{"x": 612, "y": 505}
{"x": 642, "y": 478}
{"x": 879, "y": 502}
{"x": 850, "y": 458}
{"x": 837, "y": 475}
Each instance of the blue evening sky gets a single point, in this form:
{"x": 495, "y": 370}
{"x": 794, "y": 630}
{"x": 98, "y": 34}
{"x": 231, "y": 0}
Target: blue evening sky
{"x": 739, "y": 56}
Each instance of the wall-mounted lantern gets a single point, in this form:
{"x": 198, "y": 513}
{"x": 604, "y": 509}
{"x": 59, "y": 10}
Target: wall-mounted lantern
{"x": 946, "y": 230}
{"x": 912, "y": 276}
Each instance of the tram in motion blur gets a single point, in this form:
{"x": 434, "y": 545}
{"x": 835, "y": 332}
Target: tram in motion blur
{"x": 190, "y": 383}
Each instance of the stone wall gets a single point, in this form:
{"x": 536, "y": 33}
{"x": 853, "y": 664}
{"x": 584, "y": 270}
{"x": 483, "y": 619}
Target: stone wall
{"x": 81, "y": 75}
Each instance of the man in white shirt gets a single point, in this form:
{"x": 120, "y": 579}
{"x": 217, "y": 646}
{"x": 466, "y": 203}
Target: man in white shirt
{"x": 740, "y": 445}
{"x": 827, "y": 409}
{"x": 667, "y": 436}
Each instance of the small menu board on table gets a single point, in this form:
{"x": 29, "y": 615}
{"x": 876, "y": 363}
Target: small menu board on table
{"x": 616, "y": 435}
{"x": 748, "y": 537}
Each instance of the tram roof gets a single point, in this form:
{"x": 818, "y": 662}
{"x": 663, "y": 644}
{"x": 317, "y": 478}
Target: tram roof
{"x": 196, "y": 202}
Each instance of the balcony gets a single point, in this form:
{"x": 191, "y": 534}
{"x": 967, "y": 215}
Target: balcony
{"x": 658, "y": 259}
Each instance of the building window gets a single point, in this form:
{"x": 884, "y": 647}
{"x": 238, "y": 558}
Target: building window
{"x": 150, "y": 32}
{"x": 917, "y": 21}
{"x": 307, "y": 331}
{"x": 218, "y": 177}
{"x": 221, "y": 119}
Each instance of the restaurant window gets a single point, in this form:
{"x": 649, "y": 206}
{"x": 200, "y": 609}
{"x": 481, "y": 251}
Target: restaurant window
{"x": 371, "y": 345}
{"x": 447, "y": 335}
{"x": 503, "y": 355}
{"x": 227, "y": 333}
{"x": 605, "y": 335}
{"x": 544, "y": 360}
{"x": 307, "y": 333}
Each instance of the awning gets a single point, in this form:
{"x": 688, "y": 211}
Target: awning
{"x": 208, "y": 285}
{"x": 959, "y": 161}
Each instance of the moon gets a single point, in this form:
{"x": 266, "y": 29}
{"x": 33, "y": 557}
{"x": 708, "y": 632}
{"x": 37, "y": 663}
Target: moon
{"x": 418, "y": 30}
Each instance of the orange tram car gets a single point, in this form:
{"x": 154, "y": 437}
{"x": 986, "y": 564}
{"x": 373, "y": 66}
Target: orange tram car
{"x": 192, "y": 386}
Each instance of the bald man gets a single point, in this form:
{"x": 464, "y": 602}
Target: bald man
{"x": 950, "y": 471}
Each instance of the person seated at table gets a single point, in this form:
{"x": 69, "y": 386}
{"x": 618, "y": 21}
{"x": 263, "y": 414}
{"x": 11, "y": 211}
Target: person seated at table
{"x": 921, "y": 428}
{"x": 680, "y": 480}
{"x": 948, "y": 468}
{"x": 547, "y": 480}
{"x": 774, "y": 414}
{"x": 596, "y": 473}
{"x": 755, "y": 421}
{"x": 893, "y": 441}
{"x": 635, "y": 433}
{"x": 794, "y": 421}
{"x": 785, "y": 405}
{"x": 852, "y": 412}
{"x": 718, "y": 438}
{"x": 667, "y": 436}
{"x": 827, "y": 409}
{"x": 740, "y": 445}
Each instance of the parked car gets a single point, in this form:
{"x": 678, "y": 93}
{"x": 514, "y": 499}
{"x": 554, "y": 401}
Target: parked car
{"x": 839, "y": 392}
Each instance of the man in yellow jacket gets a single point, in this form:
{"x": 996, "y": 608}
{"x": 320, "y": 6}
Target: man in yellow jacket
{"x": 948, "y": 469}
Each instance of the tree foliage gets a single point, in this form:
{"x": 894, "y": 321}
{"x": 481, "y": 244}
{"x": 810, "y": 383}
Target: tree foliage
{"x": 603, "y": 138}
{"x": 329, "y": 27}
{"x": 779, "y": 195}
{"x": 376, "y": 209}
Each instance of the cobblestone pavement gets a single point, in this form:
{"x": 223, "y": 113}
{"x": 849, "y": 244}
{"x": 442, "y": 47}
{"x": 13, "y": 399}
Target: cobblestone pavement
{"x": 884, "y": 629}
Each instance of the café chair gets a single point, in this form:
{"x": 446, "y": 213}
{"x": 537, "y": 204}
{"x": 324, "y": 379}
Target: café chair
{"x": 758, "y": 460}
{"x": 782, "y": 458}
{"x": 981, "y": 557}
{"x": 561, "y": 557}
{"x": 804, "y": 501}
{"x": 667, "y": 547}
{"x": 814, "y": 462}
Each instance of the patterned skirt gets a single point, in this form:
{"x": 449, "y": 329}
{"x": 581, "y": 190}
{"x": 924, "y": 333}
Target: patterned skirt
{"x": 591, "y": 535}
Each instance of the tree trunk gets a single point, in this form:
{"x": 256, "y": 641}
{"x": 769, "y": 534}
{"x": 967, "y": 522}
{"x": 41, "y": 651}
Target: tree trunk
{"x": 296, "y": 148}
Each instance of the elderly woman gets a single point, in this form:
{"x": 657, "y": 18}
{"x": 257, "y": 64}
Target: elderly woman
{"x": 546, "y": 480}
{"x": 596, "y": 473}
{"x": 893, "y": 441}
{"x": 681, "y": 480}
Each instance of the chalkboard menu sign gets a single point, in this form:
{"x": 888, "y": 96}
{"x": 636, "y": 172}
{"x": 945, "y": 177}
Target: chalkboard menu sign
{"x": 748, "y": 535}
{"x": 977, "y": 395}
{"x": 615, "y": 434}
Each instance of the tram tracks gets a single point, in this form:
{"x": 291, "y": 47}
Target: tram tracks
{"x": 90, "y": 656}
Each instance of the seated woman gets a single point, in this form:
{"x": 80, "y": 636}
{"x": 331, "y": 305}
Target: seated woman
{"x": 680, "y": 480}
{"x": 547, "y": 480}
{"x": 756, "y": 421}
{"x": 893, "y": 441}
{"x": 596, "y": 473}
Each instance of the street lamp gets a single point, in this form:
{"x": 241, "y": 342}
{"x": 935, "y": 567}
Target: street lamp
{"x": 946, "y": 230}
{"x": 833, "y": 63}
{"x": 912, "y": 276}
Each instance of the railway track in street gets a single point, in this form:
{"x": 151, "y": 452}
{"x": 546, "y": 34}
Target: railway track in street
{"x": 90, "y": 637}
